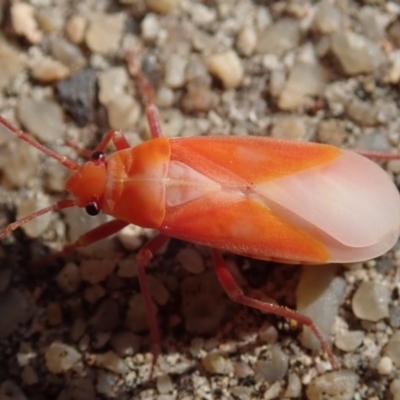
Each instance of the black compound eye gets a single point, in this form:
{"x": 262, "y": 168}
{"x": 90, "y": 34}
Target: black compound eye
{"x": 92, "y": 209}
{"x": 98, "y": 156}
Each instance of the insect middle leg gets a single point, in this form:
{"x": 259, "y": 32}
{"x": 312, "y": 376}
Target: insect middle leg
{"x": 236, "y": 294}
{"x": 144, "y": 256}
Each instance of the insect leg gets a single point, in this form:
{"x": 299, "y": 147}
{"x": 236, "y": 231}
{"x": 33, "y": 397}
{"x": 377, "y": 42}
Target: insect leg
{"x": 146, "y": 253}
{"x": 147, "y": 92}
{"x": 94, "y": 235}
{"x": 236, "y": 294}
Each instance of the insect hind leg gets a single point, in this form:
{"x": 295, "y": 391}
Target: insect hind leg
{"x": 236, "y": 294}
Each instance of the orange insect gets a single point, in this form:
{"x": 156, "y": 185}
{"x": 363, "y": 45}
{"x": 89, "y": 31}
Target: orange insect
{"x": 258, "y": 197}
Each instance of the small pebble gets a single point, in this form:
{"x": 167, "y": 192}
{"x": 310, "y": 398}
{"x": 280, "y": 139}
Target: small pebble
{"x": 164, "y": 384}
{"x": 204, "y": 303}
{"x": 42, "y": 118}
{"x": 69, "y": 278}
{"x": 96, "y": 271}
{"x": 54, "y": 314}
{"x": 191, "y": 260}
{"x": 362, "y": 112}
{"x": 11, "y": 63}
{"x": 332, "y": 131}
{"x": 104, "y": 32}
{"x": 199, "y": 97}
{"x": 246, "y": 41}
{"x": 81, "y": 388}
{"x": 37, "y": 226}
{"x": 356, "y": 54}
{"x": 290, "y": 128}
{"x": 49, "y": 70}
{"x": 162, "y": 6}
{"x": 392, "y": 349}
{"x": 279, "y": 38}
{"x": 339, "y": 385}
{"x": 111, "y": 361}
{"x": 15, "y": 308}
{"x": 349, "y": 340}
{"x": 371, "y": 301}
{"x": 175, "y": 66}
{"x": 61, "y": 357}
{"x": 150, "y": 27}
{"x": 216, "y": 363}
{"x": 123, "y": 112}
{"x": 125, "y": 343}
{"x": 24, "y": 22}
{"x": 305, "y": 80}
{"x": 67, "y": 53}
{"x": 395, "y": 389}
{"x": 112, "y": 83}
{"x": 319, "y": 294}
{"x": 274, "y": 369}
{"x": 106, "y": 317}
{"x": 227, "y": 67}
{"x": 75, "y": 29}
{"x": 11, "y": 391}
{"x": 273, "y": 391}
{"x": 77, "y": 94}
{"x": 328, "y": 18}
{"x": 293, "y": 389}
{"x": 384, "y": 366}
{"x": 136, "y": 318}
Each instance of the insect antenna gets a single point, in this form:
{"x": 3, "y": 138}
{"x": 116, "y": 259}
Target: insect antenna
{"x": 59, "y": 205}
{"x": 28, "y": 139}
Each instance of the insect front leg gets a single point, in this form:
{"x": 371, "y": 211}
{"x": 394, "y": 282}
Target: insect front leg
{"x": 147, "y": 92}
{"x": 236, "y": 294}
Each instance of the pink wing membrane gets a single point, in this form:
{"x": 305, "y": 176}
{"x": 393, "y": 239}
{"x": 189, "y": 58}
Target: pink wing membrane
{"x": 350, "y": 203}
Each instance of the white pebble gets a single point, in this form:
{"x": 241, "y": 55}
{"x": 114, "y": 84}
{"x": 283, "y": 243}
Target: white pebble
{"x": 305, "y": 80}
{"x": 216, "y": 363}
{"x": 384, "y": 366}
{"x": 164, "y": 384}
{"x": 246, "y": 41}
{"x": 42, "y": 118}
{"x": 24, "y": 22}
{"x": 75, "y": 29}
{"x": 37, "y": 226}
{"x": 61, "y": 357}
{"x": 150, "y": 27}
{"x": 175, "y": 66}
{"x": 123, "y": 112}
{"x": 227, "y": 67}
{"x": 162, "y": 6}
{"x": 279, "y": 38}
{"x": 349, "y": 340}
{"x": 49, "y": 70}
{"x": 395, "y": 389}
{"x": 96, "y": 271}
{"x": 340, "y": 385}
{"x": 356, "y": 54}
{"x": 371, "y": 301}
{"x": 319, "y": 294}
{"x": 104, "y": 33}
{"x": 112, "y": 83}
{"x": 392, "y": 349}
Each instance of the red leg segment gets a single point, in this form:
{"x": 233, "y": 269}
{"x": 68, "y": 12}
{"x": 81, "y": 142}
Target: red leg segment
{"x": 146, "y": 253}
{"x": 236, "y": 294}
{"x": 147, "y": 92}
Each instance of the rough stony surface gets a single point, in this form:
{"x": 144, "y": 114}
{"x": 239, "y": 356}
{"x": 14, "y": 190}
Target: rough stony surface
{"x": 74, "y": 328}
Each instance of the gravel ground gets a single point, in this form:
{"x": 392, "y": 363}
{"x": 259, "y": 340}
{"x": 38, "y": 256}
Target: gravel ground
{"x": 75, "y": 328}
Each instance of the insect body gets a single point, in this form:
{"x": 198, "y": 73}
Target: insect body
{"x": 259, "y": 197}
